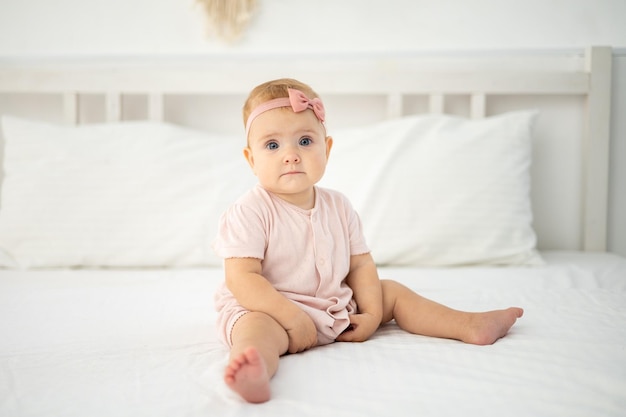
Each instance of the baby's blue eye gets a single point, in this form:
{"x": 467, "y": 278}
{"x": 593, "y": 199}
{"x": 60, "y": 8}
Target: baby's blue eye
{"x": 272, "y": 146}
{"x": 305, "y": 141}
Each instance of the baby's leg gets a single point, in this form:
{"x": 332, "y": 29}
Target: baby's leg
{"x": 258, "y": 342}
{"x": 420, "y": 315}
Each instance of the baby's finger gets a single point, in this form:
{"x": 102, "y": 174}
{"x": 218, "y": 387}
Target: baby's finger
{"x": 351, "y": 334}
{"x": 346, "y": 336}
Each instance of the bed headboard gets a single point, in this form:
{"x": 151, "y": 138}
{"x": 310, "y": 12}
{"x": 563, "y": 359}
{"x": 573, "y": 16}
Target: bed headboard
{"x": 476, "y": 84}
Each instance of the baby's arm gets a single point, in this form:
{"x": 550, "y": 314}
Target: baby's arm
{"x": 255, "y": 293}
{"x": 365, "y": 284}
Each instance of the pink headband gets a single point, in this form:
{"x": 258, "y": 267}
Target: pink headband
{"x": 297, "y": 100}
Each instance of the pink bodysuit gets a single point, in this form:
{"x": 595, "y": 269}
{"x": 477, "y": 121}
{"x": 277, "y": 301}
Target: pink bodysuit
{"x": 305, "y": 255}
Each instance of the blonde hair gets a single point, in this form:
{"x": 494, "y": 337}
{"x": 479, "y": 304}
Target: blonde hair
{"x": 271, "y": 90}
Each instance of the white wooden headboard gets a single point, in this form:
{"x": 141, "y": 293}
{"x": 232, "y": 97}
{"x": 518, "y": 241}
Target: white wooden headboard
{"x": 399, "y": 81}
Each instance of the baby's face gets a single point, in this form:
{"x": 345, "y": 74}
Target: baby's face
{"x": 288, "y": 153}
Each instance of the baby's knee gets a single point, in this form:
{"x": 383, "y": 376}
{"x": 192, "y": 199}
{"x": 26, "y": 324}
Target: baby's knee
{"x": 257, "y": 327}
{"x": 393, "y": 290}
{"x": 390, "y": 286}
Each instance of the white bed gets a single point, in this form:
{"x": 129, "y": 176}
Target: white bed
{"x": 134, "y": 343}
{"x": 97, "y": 322}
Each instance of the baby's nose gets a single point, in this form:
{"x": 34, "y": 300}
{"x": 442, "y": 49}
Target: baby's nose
{"x": 292, "y": 158}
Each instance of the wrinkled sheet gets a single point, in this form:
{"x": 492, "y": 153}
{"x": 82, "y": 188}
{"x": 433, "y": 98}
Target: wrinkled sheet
{"x": 142, "y": 343}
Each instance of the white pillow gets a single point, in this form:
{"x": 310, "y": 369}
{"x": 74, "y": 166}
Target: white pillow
{"x": 138, "y": 194}
{"x": 439, "y": 190}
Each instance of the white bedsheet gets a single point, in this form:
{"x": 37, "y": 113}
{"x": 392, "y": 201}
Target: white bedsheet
{"x": 142, "y": 343}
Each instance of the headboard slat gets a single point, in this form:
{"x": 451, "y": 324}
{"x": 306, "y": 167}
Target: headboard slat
{"x": 70, "y": 108}
{"x": 155, "y": 107}
{"x": 596, "y": 149}
{"x": 478, "y": 106}
{"x": 395, "y": 105}
{"x": 113, "y": 104}
{"x": 436, "y": 103}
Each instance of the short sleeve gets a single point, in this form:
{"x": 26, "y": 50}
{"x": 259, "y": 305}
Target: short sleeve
{"x": 358, "y": 244}
{"x": 241, "y": 234}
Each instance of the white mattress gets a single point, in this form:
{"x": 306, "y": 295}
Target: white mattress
{"x": 142, "y": 343}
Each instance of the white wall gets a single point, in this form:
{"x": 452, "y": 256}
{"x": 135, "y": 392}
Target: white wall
{"x": 36, "y": 28}
{"x": 69, "y": 27}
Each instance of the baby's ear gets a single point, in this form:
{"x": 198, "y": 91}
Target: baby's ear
{"x": 329, "y": 145}
{"x": 247, "y": 153}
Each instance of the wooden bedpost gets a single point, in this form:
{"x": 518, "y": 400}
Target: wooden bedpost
{"x": 596, "y": 149}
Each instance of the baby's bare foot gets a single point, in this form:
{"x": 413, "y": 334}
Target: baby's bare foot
{"x": 485, "y": 328}
{"x": 246, "y": 374}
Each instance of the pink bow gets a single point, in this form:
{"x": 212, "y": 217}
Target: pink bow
{"x": 300, "y": 102}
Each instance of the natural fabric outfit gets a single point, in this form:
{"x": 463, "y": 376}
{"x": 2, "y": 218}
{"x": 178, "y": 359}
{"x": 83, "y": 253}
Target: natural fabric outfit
{"x": 305, "y": 255}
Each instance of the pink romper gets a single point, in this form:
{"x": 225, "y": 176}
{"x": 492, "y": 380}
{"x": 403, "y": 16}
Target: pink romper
{"x": 305, "y": 255}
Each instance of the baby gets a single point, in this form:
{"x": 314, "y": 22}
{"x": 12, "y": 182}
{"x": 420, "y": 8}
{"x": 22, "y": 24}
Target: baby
{"x": 298, "y": 271}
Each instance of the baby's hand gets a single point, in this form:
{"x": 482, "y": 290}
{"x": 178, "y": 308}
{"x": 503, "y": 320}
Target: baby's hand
{"x": 302, "y": 333}
{"x": 362, "y": 326}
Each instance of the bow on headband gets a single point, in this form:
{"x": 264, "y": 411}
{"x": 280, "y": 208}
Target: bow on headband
{"x": 300, "y": 102}
{"x": 297, "y": 100}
